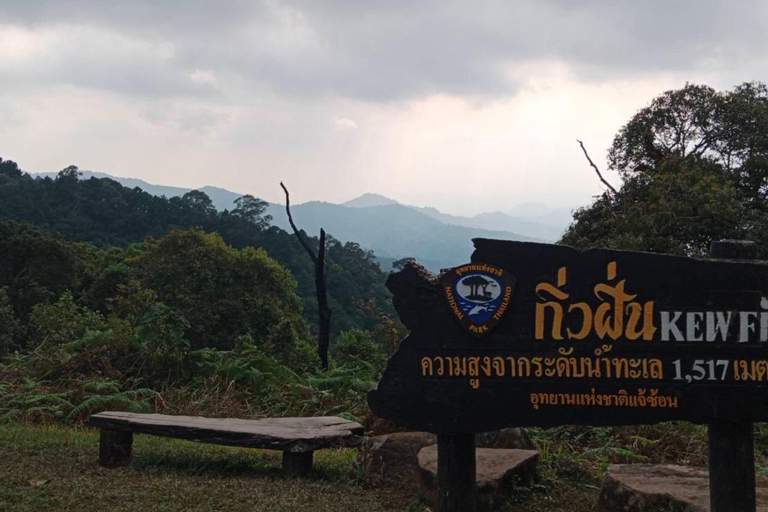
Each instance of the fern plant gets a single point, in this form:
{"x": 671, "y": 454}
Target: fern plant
{"x": 103, "y": 394}
{"x": 29, "y": 400}
{"x": 133, "y": 400}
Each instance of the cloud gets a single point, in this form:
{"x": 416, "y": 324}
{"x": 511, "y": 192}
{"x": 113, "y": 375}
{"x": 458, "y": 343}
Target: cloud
{"x": 380, "y": 51}
{"x": 344, "y": 124}
{"x": 468, "y": 106}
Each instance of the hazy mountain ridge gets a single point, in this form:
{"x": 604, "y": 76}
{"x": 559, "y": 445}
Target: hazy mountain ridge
{"x": 391, "y": 229}
{"x": 549, "y": 229}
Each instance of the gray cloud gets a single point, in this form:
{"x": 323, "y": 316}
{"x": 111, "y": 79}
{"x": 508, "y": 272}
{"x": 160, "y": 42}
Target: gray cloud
{"x": 376, "y": 51}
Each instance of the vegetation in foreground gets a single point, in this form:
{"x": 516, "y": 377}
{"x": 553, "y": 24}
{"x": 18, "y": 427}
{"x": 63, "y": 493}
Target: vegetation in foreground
{"x": 54, "y": 467}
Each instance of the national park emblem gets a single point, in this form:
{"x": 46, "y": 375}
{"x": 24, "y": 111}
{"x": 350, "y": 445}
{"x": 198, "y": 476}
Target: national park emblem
{"x": 478, "y": 295}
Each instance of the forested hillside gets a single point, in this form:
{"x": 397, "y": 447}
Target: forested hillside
{"x": 113, "y": 298}
{"x": 105, "y": 213}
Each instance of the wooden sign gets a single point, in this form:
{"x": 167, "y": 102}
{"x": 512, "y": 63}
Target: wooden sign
{"x": 535, "y": 334}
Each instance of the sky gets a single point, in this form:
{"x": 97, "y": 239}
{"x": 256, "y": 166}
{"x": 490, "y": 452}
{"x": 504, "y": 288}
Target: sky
{"x": 468, "y": 106}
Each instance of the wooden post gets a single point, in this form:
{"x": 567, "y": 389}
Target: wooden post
{"x": 115, "y": 448}
{"x": 297, "y": 463}
{"x": 731, "y": 445}
{"x": 456, "y": 473}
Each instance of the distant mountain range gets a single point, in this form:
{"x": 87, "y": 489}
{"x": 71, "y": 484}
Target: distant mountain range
{"x": 548, "y": 225}
{"x": 391, "y": 229}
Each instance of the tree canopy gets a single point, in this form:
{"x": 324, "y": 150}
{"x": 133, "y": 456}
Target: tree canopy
{"x": 104, "y": 213}
{"x": 694, "y": 166}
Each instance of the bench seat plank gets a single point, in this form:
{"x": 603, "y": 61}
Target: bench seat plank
{"x": 296, "y": 435}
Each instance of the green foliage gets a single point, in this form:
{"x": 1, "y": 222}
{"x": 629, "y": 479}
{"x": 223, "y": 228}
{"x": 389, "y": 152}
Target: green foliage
{"x": 222, "y": 291}
{"x": 356, "y": 347}
{"x": 109, "y": 398}
{"x": 36, "y": 267}
{"x": 61, "y": 322}
{"x": 285, "y": 345}
{"x": 32, "y": 400}
{"x": 678, "y": 208}
{"x": 105, "y": 213}
{"x": 694, "y": 165}
{"x": 252, "y": 210}
{"x": 10, "y": 326}
{"x": 206, "y": 323}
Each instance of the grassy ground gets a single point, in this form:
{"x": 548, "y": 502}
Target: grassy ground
{"x": 54, "y": 468}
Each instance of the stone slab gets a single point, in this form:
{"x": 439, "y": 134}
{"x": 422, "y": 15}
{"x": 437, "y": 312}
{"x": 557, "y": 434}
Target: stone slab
{"x": 656, "y": 488}
{"x": 498, "y": 471}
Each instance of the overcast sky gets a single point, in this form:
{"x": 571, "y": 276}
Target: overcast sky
{"x": 465, "y": 106}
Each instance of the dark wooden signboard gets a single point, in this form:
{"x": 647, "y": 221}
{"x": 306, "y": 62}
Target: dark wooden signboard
{"x": 537, "y": 334}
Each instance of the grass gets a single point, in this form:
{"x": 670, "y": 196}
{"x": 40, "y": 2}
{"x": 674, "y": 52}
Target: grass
{"x": 51, "y": 468}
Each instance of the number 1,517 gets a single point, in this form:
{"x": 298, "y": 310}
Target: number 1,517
{"x": 702, "y": 369}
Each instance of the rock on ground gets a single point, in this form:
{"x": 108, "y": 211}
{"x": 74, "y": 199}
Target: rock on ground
{"x": 657, "y": 488}
{"x": 509, "y": 438}
{"x": 391, "y": 458}
{"x": 498, "y": 471}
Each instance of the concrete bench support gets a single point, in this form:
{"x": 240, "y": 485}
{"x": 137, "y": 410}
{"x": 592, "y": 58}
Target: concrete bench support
{"x": 297, "y": 463}
{"x": 115, "y": 448}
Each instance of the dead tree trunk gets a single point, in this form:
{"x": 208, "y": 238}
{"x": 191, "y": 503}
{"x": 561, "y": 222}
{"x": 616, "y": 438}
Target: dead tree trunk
{"x": 324, "y": 312}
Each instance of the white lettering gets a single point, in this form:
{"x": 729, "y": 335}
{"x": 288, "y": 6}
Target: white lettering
{"x": 745, "y": 325}
{"x": 693, "y": 325}
{"x": 717, "y": 322}
{"x": 668, "y": 327}
{"x": 764, "y": 326}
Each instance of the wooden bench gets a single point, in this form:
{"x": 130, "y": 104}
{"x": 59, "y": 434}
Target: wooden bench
{"x": 297, "y": 438}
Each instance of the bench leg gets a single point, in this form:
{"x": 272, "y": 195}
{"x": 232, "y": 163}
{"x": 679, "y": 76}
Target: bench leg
{"x": 115, "y": 448}
{"x": 297, "y": 463}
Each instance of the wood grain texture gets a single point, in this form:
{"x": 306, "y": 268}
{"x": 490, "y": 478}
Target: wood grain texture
{"x": 287, "y": 434}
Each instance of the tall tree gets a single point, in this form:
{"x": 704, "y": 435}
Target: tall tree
{"x": 252, "y": 209}
{"x": 694, "y": 166}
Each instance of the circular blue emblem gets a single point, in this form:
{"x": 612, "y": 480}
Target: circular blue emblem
{"x": 478, "y": 295}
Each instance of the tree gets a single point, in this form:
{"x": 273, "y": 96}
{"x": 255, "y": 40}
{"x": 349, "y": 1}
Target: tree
{"x": 729, "y": 129}
{"x": 694, "y": 165}
{"x": 105, "y": 213}
{"x": 475, "y": 282}
{"x": 198, "y": 201}
{"x": 10, "y": 169}
{"x": 35, "y": 265}
{"x": 69, "y": 174}
{"x": 221, "y": 291}
{"x": 10, "y": 327}
{"x": 252, "y": 209}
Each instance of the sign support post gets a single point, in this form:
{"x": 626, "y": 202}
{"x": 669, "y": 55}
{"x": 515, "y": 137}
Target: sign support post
{"x": 731, "y": 445}
{"x": 456, "y": 473}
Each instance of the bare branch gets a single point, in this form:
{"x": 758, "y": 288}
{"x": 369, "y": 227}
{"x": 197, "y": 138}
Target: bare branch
{"x": 599, "y": 175}
{"x": 324, "y": 312}
{"x": 295, "y": 229}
